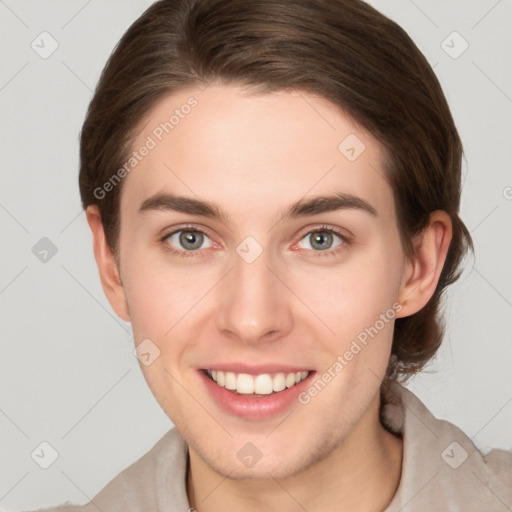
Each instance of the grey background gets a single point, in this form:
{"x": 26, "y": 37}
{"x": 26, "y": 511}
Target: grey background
{"x": 68, "y": 373}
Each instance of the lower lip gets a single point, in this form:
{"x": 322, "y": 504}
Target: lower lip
{"x": 254, "y": 407}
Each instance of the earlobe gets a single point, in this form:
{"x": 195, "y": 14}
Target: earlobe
{"x": 107, "y": 265}
{"x": 422, "y": 271}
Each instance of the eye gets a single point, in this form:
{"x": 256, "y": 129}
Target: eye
{"x": 321, "y": 239}
{"x": 185, "y": 242}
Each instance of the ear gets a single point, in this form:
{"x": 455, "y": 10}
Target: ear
{"x": 422, "y": 271}
{"x": 107, "y": 265}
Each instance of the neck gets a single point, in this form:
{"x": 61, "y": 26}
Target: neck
{"x": 361, "y": 474}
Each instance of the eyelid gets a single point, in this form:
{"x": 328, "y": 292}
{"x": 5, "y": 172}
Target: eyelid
{"x": 167, "y": 232}
{"x": 341, "y": 232}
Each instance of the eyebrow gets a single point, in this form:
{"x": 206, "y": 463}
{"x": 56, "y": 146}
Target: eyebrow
{"x": 302, "y": 208}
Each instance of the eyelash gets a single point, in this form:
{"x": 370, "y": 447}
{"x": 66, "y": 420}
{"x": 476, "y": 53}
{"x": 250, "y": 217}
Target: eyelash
{"x": 188, "y": 254}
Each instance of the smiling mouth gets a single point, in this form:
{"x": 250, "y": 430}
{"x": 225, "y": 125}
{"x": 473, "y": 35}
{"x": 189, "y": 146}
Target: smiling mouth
{"x": 256, "y": 385}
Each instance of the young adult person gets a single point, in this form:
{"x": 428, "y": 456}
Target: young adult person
{"x": 273, "y": 191}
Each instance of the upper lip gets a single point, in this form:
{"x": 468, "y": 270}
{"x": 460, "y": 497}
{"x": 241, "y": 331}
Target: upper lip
{"x": 257, "y": 369}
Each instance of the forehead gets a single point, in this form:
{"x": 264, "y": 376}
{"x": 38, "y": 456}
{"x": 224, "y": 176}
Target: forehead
{"x": 253, "y": 153}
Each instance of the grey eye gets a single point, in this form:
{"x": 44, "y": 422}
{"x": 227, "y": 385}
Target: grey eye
{"x": 189, "y": 240}
{"x": 321, "y": 240}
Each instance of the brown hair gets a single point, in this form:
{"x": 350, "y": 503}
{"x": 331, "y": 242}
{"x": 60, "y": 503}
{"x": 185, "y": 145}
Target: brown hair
{"x": 342, "y": 50}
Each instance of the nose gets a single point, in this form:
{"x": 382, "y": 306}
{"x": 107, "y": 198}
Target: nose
{"x": 254, "y": 305}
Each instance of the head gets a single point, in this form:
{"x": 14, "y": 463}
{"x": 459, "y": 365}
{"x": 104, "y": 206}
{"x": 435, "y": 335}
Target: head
{"x": 250, "y": 108}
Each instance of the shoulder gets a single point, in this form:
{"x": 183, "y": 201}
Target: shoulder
{"x": 442, "y": 467}
{"x": 143, "y": 484}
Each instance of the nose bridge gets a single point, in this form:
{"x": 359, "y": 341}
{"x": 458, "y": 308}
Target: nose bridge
{"x": 254, "y": 304}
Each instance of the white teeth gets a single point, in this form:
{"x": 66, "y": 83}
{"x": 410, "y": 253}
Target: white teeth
{"x": 230, "y": 380}
{"x": 244, "y": 383}
{"x": 279, "y": 382}
{"x": 263, "y": 384}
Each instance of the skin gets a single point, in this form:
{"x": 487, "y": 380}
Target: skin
{"x": 253, "y": 155}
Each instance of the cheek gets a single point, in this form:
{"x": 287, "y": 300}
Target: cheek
{"x": 161, "y": 303}
{"x": 159, "y": 299}
{"x": 352, "y": 295}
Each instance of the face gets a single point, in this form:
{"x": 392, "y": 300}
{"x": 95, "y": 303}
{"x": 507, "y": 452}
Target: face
{"x": 244, "y": 288}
